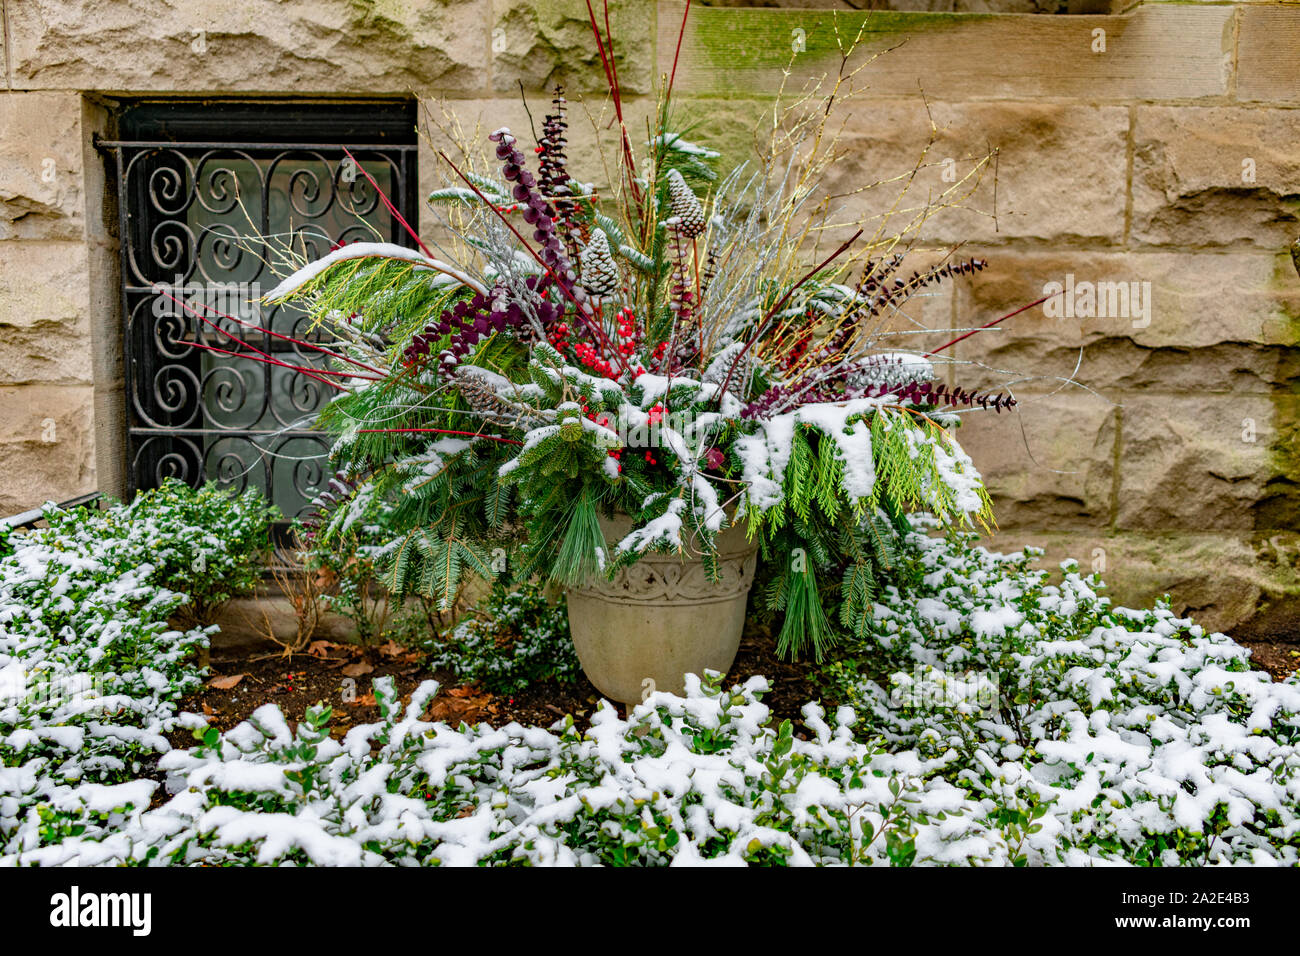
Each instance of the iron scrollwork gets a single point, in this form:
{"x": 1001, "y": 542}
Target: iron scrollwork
{"x": 204, "y": 231}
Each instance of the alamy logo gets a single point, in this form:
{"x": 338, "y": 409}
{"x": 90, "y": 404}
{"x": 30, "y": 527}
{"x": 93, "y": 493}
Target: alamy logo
{"x": 75, "y": 909}
{"x": 1098, "y": 300}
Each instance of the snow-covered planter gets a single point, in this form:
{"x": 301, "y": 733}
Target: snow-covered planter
{"x": 661, "y": 618}
{"x": 680, "y": 350}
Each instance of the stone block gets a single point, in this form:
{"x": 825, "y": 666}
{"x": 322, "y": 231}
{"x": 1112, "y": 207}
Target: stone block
{"x": 1268, "y": 54}
{"x": 1047, "y": 463}
{"x": 1060, "y": 173}
{"x": 47, "y": 448}
{"x": 44, "y": 305}
{"x": 1195, "y": 462}
{"x": 1216, "y": 176}
{"x": 543, "y": 42}
{"x": 377, "y": 46}
{"x": 41, "y": 166}
{"x": 1197, "y": 321}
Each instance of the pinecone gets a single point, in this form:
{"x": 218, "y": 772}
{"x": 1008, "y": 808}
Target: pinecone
{"x": 483, "y": 398}
{"x": 599, "y": 271}
{"x": 685, "y": 207}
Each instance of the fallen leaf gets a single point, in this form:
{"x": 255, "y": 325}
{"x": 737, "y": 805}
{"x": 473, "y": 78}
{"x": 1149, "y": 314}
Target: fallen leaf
{"x": 320, "y": 649}
{"x": 365, "y": 700}
{"x": 207, "y": 710}
{"x": 460, "y": 703}
{"x": 358, "y": 669}
{"x": 392, "y": 649}
{"x": 225, "y": 683}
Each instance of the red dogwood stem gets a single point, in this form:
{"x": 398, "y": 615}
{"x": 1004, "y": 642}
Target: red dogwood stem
{"x": 989, "y": 325}
{"x": 267, "y": 360}
{"x": 389, "y": 206}
{"x": 271, "y": 332}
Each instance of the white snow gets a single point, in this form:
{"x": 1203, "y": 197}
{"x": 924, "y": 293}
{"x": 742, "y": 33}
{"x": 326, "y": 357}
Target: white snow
{"x": 365, "y": 250}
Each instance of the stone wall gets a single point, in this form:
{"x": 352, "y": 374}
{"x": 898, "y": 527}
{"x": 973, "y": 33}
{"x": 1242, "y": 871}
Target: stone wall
{"x": 1168, "y": 155}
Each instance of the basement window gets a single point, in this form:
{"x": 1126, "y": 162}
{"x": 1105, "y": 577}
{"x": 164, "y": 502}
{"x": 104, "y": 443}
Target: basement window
{"x": 210, "y": 196}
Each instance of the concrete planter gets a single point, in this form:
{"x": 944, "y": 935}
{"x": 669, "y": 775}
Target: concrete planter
{"x": 662, "y": 618}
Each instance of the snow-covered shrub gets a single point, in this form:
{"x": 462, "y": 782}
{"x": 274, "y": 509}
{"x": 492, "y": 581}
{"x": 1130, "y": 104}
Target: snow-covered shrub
{"x": 89, "y": 669}
{"x": 700, "y": 778}
{"x": 203, "y": 542}
{"x": 512, "y": 638}
{"x": 991, "y": 717}
{"x": 1147, "y": 739}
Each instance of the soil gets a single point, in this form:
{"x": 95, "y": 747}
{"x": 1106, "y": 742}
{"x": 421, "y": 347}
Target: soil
{"x": 342, "y": 675}
{"x": 1279, "y": 656}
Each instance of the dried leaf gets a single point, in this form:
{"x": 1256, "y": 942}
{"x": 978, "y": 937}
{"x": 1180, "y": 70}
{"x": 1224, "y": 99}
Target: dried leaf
{"x": 225, "y": 683}
{"x": 358, "y": 669}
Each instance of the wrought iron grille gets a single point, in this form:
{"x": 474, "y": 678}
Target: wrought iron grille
{"x": 206, "y": 226}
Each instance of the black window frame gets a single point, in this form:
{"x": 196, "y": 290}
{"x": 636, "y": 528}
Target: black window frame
{"x": 147, "y": 132}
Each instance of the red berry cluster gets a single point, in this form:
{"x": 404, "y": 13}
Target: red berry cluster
{"x": 656, "y": 414}
{"x": 559, "y": 336}
{"x": 800, "y": 347}
{"x": 628, "y": 337}
{"x": 590, "y": 358}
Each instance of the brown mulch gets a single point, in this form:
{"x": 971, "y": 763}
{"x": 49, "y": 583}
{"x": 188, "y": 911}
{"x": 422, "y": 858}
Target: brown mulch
{"x": 342, "y": 675}
{"x": 1279, "y": 656}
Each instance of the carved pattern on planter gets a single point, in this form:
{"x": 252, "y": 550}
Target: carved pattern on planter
{"x": 659, "y": 579}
